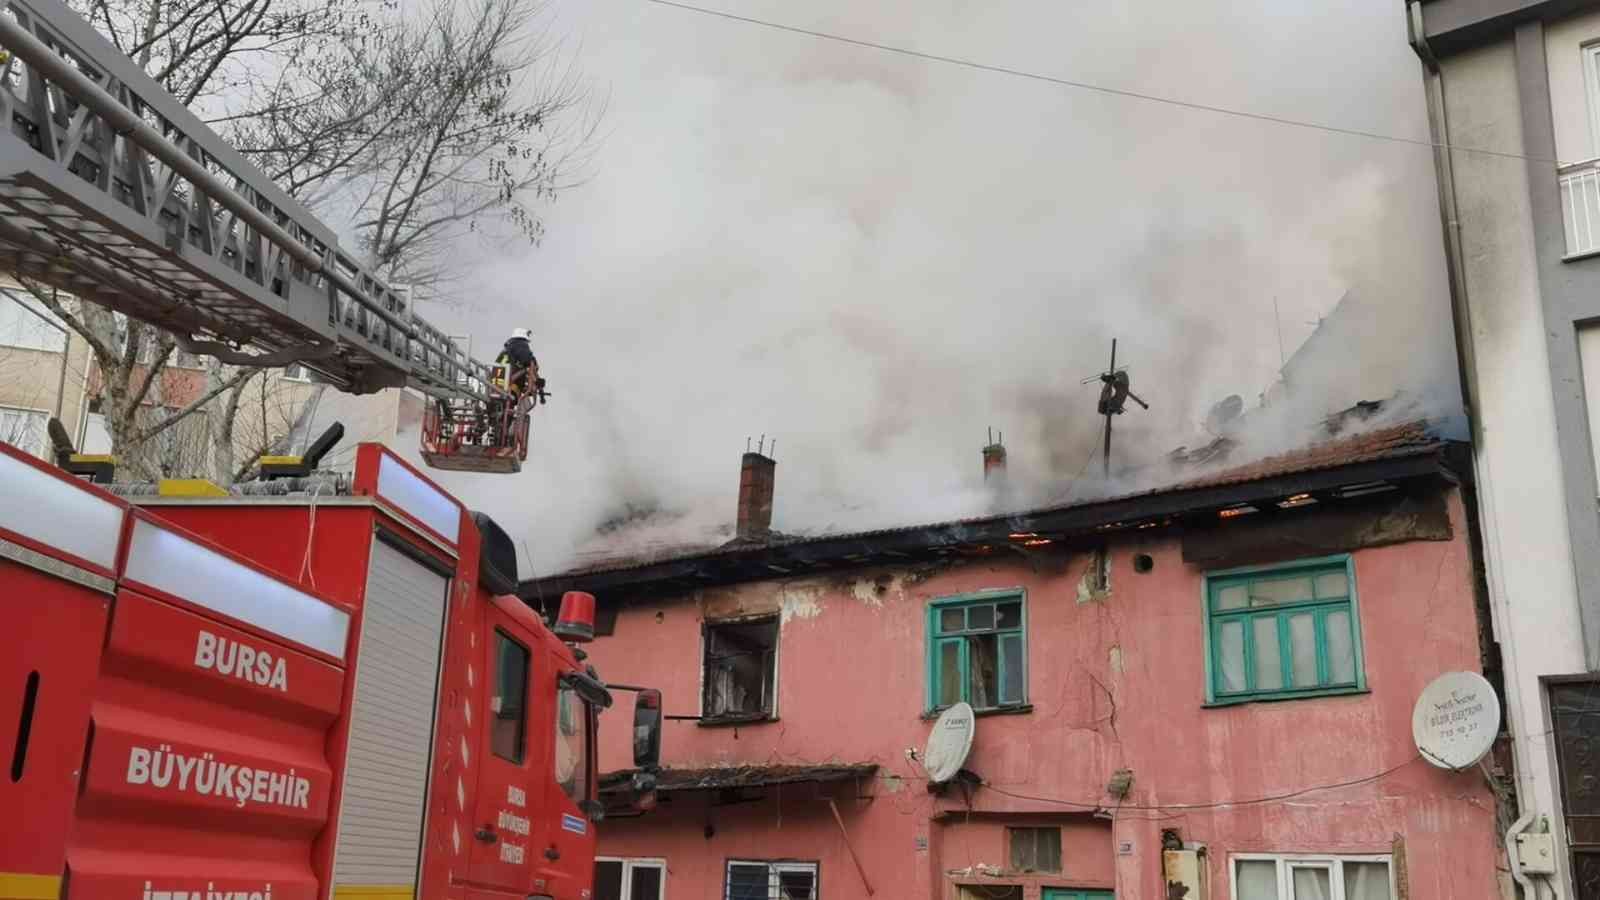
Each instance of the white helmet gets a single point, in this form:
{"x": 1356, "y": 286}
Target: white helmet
{"x": 523, "y": 333}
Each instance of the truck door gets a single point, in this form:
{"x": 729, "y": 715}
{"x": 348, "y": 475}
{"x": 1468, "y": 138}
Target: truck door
{"x": 502, "y": 824}
{"x": 565, "y": 862}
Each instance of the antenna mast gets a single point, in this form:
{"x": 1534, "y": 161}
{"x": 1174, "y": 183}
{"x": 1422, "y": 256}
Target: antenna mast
{"x": 1114, "y": 394}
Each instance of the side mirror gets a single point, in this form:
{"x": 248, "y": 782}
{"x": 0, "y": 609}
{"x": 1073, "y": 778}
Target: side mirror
{"x": 647, "y": 729}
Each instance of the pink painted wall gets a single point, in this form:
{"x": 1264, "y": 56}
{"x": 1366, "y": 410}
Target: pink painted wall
{"x": 1115, "y": 682}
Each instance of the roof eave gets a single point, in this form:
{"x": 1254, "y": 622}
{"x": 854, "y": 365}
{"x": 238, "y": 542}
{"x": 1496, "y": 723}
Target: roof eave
{"x": 824, "y": 553}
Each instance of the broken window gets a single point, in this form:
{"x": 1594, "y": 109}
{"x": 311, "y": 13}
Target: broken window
{"x": 1283, "y": 630}
{"x": 977, "y": 652}
{"x": 1035, "y": 849}
{"x": 740, "y": 669}
{"x": 759, "y": 880}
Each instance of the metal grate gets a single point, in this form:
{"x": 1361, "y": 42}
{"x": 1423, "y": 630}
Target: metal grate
{"x": 760, "y": 880}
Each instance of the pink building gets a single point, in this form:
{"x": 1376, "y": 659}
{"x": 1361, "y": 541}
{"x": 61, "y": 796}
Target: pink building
{"x": 1201, "y": 692}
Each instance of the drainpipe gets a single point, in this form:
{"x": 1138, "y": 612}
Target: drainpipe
{"x": 1529, "y": 890}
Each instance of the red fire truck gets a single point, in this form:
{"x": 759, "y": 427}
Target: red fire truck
{"x": 319, "y": 693}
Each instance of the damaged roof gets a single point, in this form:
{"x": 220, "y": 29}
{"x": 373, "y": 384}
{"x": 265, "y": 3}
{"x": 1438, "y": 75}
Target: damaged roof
{"x": 719, "y": 777}
{"x": 1328, "y": 471}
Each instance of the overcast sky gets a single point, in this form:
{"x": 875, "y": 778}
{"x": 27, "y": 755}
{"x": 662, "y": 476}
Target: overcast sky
{"x": 874, "y": 257}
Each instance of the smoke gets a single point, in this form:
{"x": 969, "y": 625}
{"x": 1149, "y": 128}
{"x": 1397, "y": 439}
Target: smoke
{"x": 873, "y": 258}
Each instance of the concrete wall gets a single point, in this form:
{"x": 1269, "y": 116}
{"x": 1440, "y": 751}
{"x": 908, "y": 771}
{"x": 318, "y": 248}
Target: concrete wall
{"x": 1115, "y": 681}
{"x": 1521, "y": 484}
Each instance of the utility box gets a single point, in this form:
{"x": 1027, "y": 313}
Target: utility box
{"x": 1537, "y": 852}
{"x": 1183, "y": 873}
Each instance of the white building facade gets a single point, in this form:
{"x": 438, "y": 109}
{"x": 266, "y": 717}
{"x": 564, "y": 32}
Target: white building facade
{"x": 1513, "y": 91}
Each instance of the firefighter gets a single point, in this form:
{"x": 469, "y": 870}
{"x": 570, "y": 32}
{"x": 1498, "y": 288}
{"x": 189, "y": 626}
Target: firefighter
{"x": 517, "y": 357}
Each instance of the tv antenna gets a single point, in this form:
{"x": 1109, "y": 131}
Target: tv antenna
{"x": 1114, "y": 396}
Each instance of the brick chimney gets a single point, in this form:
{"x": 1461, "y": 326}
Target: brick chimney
{"x": 994, "y": 457}
{"x": 757, "y": 478}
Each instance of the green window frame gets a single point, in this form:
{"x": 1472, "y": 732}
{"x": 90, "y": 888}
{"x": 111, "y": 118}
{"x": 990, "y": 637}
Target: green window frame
{"x": 1283, "y": 631}
{"x": 977, "y": 651}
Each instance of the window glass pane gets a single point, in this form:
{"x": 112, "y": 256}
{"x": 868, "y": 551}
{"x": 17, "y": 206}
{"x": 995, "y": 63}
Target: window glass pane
{"x": 508, "y": 705}
{"x": 1331, "y": 585}
{"x": 980, "y": 617}
{"x": 983, "y": 665}
{"x": 747, "y": 881}
{"x": 1366, "y": 881}
{"x": 572, "y": 745}
{"x": 1303, "y": 641}
{"x": 951, "y": 619}
{"x": 1341, "y": 648}
{"x": 1233, "y": 597}
{"x": 646, "y": 883}
{"x": 25, "y": 429}
{"x": 1011, "y": 668}
{"x": 1309, "y": 883}
{"x": 607, "y": 879}
{"x": 797, "y": 885}
{"x": 1256, "y": 879}
{"x": 1010, "y": 615}
{"x": 1280, "y": 590}
{"x": 1230, "y": 657}
{"x": 1269, "y": 662}
{"x": 949, "y": 672}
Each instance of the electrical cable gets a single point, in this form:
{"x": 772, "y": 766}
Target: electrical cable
{"x": 1163, "y": 807}
{"x": 1097, "y": 88}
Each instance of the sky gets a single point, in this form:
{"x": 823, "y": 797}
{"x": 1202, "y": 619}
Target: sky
{"x": 874, "y": 258}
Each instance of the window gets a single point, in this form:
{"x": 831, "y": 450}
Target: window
{"x": 25, "y": 429}
{"x": 29, "y": 326}
{"x": 572, "y": 744}
{"x": 509, "y": 704}
{"x": 977, "y": 651}
{"x": 754, "y": 880}
{"x": 297, "y": 372}
{"x": 740, "y": 670}
{"x": 1267, "y": 877}
{"x": 1283, "y": 631}
{"x": 630, "y": 879}
{"x": 1035, "y": 849}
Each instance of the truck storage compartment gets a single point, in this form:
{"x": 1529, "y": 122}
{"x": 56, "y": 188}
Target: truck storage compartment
{"x": 387, "y": 763}
{"x": 55, "y": 595}
{"x": 208, "y": 768}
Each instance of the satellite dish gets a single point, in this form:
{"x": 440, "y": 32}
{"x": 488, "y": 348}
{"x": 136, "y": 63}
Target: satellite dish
{"x": 949, "y": 743}
{"x": 1455, "y": 720}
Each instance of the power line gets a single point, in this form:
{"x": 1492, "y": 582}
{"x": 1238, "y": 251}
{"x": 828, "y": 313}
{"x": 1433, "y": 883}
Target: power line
{"x": 1097, "y": 88}
{"x": 1163, "y": 807}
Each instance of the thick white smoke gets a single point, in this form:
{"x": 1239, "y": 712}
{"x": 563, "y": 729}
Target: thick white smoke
{"x": 873, "y": 258}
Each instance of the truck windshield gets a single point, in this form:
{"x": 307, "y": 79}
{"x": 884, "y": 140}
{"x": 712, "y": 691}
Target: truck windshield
{"x": 572, "y": 745}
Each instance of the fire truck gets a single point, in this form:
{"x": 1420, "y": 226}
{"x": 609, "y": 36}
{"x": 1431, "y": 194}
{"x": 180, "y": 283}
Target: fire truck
{"x": 323, "y": 693}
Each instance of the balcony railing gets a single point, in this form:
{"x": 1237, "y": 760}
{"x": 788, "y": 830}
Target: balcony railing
{"x": 1580, "y": 206}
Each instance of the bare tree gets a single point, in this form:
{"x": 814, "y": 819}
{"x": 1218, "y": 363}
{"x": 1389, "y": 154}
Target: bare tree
{"x": 414, "y": 129}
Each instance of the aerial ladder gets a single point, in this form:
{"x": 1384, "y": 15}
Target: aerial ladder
{"x": 113, "y": 191}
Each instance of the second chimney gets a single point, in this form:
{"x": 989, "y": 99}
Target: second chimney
{"x": 757, "y": 479}
{"x": 994, "y": 458}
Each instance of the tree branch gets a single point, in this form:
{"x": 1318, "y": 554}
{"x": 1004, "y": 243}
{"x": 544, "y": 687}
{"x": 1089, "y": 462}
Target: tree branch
{"x": 189, "y": 410}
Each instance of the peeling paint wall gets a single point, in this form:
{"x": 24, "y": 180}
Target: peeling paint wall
{"x": 1116, "y": 683}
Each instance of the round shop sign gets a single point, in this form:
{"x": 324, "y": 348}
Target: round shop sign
{"x": 1455, "y": 720}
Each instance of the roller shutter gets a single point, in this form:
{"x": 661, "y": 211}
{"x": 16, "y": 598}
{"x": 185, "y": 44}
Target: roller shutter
{"x": 391, "y": 722}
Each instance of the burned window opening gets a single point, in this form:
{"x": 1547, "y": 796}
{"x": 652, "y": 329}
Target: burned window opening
{"x": 740, "y": 670}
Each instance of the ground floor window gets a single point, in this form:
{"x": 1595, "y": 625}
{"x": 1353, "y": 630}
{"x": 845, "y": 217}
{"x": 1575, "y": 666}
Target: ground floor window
{"x": 629, "y": 879}
{"x": 989, "y": 891}
{"x": 1273, "y": 877}
{"x": 750, "y": 879}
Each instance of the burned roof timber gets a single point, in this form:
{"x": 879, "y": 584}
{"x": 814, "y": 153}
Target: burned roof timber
{"x": 1407, "y": 457}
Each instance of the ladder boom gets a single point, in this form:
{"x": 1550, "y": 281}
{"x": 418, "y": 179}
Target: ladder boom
{"x": 112, "y": 190}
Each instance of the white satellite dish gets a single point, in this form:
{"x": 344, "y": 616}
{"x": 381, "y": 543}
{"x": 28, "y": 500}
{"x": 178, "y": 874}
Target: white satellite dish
{"x": 949, "y": 743}
{"x": 1455, "y": 720}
